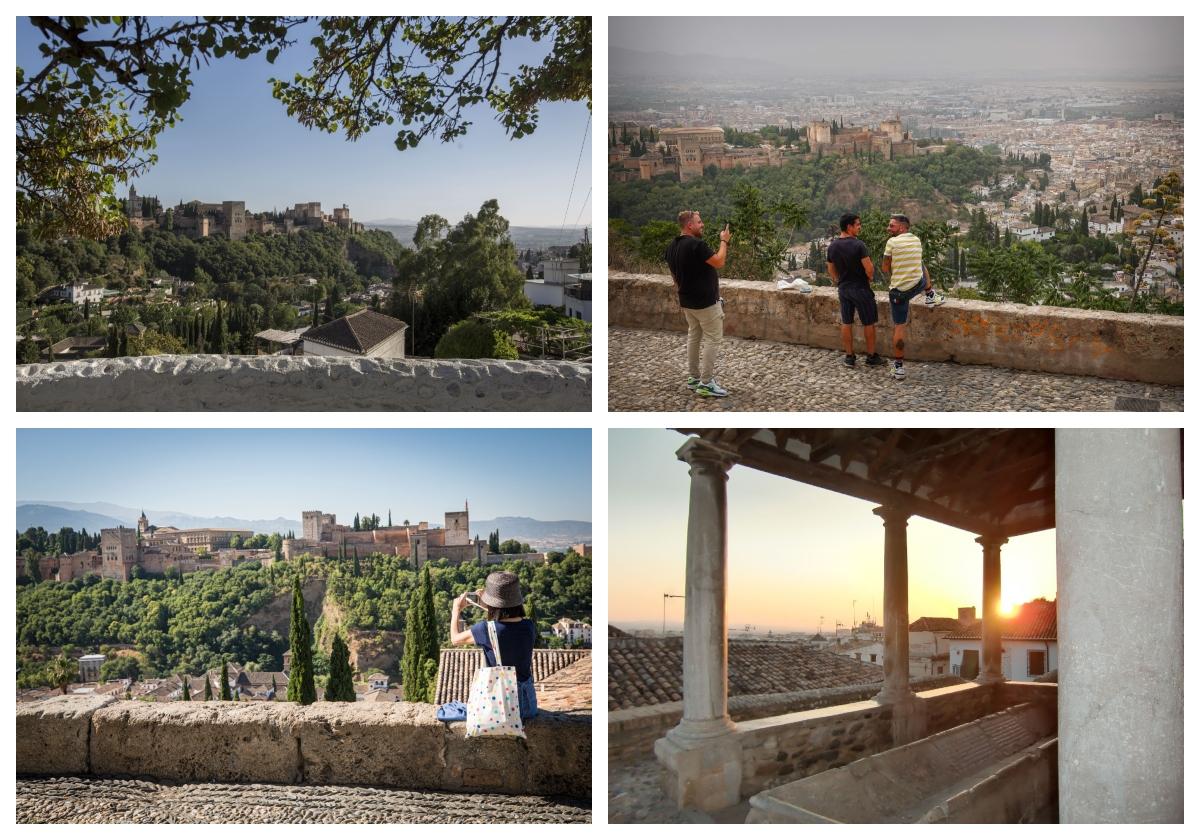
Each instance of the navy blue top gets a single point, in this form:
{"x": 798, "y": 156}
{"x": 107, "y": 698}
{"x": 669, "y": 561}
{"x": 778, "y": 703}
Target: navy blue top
{"x": 516, "y": 640}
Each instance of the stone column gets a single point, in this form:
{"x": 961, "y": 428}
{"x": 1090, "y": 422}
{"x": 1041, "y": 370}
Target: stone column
{"x": 895, "y": 605}
{"x": 702, "y": 761}
{"x": 1119, "y": 530}
{"x": 992, "y": 670}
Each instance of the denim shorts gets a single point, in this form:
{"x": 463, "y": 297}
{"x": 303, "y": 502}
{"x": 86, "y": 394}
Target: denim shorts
{"x": 527, "y": 698}
{"x": 861, "y": 299}
{"x": 899, "y": 300}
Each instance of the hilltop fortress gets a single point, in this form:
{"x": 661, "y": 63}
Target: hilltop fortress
{"x": 687, "y": 152}
{"x": 324, "y": 536}
{"x": 198, "y": 219}
{"x": 153, "y": 549}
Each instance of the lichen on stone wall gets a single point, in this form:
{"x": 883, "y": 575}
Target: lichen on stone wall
{"x": 303, "y": 383}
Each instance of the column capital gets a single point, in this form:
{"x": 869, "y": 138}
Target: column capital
{"x": 990, "y": 540}
{"x": 893, "y": 517}
{"x": 704, "y": 455}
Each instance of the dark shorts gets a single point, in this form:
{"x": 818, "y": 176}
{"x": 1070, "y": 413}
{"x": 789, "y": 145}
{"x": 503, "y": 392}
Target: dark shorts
{"x": 899, "y": 301}
{"x": 858, "y": 299}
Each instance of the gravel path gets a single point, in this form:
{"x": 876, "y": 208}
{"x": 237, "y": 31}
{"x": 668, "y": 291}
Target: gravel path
{"x": 647, "y": 370}
{"x": 73, "y": 800}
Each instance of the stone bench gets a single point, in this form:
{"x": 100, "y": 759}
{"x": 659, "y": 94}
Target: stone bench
{"x": 1000, "y": 768}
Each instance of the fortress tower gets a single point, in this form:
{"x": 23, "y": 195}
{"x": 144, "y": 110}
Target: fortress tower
{"x": 458, "y": 526}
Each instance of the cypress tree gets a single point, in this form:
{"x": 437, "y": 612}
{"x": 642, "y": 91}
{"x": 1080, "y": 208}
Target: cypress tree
{"x": 187, "y": 693}
{"x": 274, "y": 688}
{"x": 301, "y": 688}
{"x": 225, "y": 695}
{"x": 357, "y": 523}
{"x": 419, "y": 666}
{"x": 207, "y": 687}
{"x": 357, "y": 568}
{"x": 341, "y": 682}
{"x": 531, "y": 614}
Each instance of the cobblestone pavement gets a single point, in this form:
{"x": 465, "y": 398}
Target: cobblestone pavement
{"x": 73, "y": 800}
{"x": 647, "y": 370}
{"x": 634, "y": 796}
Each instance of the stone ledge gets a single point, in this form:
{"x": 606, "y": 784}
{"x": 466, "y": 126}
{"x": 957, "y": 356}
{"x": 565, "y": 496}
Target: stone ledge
{"x": 302, "y": 383}
{"x": 1113, "y": 345}
{"x": 398, "y": 745}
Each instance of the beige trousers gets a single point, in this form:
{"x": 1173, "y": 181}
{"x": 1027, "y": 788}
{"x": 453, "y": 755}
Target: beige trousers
{"x": 705, "y": 328}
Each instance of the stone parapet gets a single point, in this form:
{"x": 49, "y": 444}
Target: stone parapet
{"x": 383, "y": 744}
{"x": 632, "y": 732}
{"x": 302, "y": 383}
{"x": 1113, "y": 345}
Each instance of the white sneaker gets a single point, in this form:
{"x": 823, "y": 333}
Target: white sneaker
{"x": 711, "y": 389}
{"x": 898, "y": 370}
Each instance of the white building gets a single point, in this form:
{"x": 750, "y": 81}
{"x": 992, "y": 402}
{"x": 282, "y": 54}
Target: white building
{"x": 577, "y": 296}
{"x": 89, "y": 667}
{"x": 573, "y": 632}
{"x": 364, "y": 333}
{"x": 550, "y": 288}
{"x": 76, "y": 293}
{"x": 1028, "y": 640}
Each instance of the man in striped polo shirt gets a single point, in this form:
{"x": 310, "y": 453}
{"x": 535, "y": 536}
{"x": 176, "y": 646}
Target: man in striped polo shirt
{"x": 902, "y": 261}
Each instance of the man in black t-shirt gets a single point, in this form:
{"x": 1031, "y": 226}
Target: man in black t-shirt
{"x": 849, "y": 264}
{"x": 694, "y": 268}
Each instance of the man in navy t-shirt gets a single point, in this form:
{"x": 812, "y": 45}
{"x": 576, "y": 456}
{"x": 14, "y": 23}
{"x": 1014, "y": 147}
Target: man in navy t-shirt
{"x": 849, "y": 265}
{"x": 694, "y": 267}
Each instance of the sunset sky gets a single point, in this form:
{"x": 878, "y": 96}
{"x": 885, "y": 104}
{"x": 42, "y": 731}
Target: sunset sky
{"x": 796, "y": 553}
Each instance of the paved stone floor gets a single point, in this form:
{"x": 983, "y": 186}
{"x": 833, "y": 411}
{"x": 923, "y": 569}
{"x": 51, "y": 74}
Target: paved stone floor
{"x": 73, "y": 800}
{"x": 647, "y": 370}
{"x": 634, "y": 796}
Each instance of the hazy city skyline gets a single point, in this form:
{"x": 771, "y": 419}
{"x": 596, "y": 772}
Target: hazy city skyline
{"x": 236, "y": 142}
{"x": 796, "y": 553}
{"x": 907, "y": 47}
{"x": 264, "y": 473}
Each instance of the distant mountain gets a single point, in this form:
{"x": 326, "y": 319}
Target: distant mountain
{"x": 531, "y": 238}
{"x": 543, "y": 536}
{"x": 55, "y": 518}
{"x": 53, "y": 515}
{"x": 66, "y": 513}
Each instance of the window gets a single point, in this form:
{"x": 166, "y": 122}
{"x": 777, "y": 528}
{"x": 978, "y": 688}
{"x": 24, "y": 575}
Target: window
{"x": 872, "y": 657}
{"x": 1037, "y": 663}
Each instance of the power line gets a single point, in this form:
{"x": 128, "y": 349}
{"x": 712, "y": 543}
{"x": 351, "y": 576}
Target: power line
{"x": 583, "y": 206}
{"x": 574, "y": 177}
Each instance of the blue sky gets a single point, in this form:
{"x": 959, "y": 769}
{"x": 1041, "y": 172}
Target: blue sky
{"x": 236, "y": 142}
{"x": 796, "y": 553}
{"x": 263, "y": 473}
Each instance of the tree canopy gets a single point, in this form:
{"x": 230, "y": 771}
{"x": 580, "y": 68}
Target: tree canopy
{"x": 90, "y": 117}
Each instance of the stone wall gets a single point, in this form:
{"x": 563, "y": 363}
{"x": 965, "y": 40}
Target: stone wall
{"x": 302, "y": 383}
{"x": 384, "y": 744}
{"x": 1142, "y": 348}
{"x": 632, "y": 732}
{"x": 780, "y": 749}
{"x": 946, "y": 708}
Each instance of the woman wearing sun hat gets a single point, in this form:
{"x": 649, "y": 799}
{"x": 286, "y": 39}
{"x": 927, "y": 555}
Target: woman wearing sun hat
{"x": 515, "y": 634}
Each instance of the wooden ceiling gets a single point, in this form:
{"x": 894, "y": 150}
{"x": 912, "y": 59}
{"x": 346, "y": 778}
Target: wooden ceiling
{"x": 987, "y": 481}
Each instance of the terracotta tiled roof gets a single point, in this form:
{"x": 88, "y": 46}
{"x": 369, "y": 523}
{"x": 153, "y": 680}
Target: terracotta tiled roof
{"x": 456, "y": 667}
{"x": 1037, "y": 619}
{"x": 358, "y": 332}
{"x": 649, "y": 671}
{"x": 935, "y": 625}
{"x": 569, "y": 689}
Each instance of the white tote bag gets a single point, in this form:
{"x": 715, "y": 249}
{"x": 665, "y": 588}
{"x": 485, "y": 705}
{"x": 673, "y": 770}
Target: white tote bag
{"x": 494, "y": 709}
